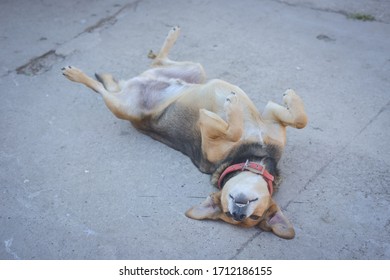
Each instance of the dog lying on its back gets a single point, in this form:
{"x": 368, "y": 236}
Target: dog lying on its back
{"x": 216, "y": 125}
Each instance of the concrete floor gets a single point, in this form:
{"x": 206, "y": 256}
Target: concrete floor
{"x": 77, "y": 183}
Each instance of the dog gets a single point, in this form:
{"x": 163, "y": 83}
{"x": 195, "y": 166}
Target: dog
{"x": 216, "y": 125}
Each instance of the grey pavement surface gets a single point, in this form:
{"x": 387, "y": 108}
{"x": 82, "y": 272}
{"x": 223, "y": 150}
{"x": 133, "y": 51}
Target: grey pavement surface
{"x": 77, "y": 183}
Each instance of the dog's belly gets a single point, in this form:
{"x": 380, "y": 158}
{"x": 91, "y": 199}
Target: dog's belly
{"x": 171, "y": 114}
{"x": 149, "y": 94}
{"x": 175, "y": 113}
{"x": 151, "y": 103}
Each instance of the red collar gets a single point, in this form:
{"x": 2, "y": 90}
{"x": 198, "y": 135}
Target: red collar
{"x": 249, "y": 166}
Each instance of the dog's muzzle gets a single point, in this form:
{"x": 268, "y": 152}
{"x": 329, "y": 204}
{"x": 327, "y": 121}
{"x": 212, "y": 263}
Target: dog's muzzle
{"x": 239, "y": 211}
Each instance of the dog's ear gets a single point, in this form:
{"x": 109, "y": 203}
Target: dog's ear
{"x": 276, "y": 222}
{"x": 208, "y": 209}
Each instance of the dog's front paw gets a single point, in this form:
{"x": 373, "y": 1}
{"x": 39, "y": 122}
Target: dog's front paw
{"x": 231, "y": 102}
{"x": 72, "y": 73}
{"x": 289, "y": 97}
{"x": 289, "y": 92}
{"x": 231, "y": 98}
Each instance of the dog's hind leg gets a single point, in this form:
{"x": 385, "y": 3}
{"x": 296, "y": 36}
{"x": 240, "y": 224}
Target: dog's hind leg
{"x": 161, "y": 59}
{"x": 292, "y": 115}
{"x": 108, "y": 82}
{"x": 111, "y": 99}
{"x": 76, "y": 75}
{"x": 162, "y": 66}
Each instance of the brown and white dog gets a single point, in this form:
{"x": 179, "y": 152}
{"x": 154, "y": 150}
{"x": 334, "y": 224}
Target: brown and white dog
{"x": 216, "y": 125}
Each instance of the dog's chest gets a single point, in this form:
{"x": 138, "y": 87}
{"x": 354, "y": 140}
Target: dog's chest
{"x": 252, "y": 132}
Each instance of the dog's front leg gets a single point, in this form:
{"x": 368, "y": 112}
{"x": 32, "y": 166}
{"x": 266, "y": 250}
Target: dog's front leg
{"x": 218, "y": 135}
{"x": 292, "y": 115}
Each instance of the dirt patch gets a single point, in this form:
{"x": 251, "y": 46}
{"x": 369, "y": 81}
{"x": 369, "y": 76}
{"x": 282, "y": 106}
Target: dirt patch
{"x": 360, "y": 16}
{"x": 40, "y": 64}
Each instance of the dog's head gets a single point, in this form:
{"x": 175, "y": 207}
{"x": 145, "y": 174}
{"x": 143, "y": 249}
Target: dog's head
{"x": 245, "y": 201}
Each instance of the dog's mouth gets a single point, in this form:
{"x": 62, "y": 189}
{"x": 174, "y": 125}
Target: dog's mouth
{"x": 240, "y": 219}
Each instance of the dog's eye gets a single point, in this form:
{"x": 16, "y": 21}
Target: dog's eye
{"x": 228, "y": 214}
{"x": 254, "y": 217}
{"x": 250, "y": 201}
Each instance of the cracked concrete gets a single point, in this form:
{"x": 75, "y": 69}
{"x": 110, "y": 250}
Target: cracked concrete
{"x": 378, "y": 9}
{"x": 77, "y": 183}
{"x": 41, "y": 64}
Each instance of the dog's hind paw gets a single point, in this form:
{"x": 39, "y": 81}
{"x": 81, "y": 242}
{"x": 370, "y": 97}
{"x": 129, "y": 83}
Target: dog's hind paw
{"x": 72, "y": 73}
{"x": 152, "y": 55}
{"x": 173, "y": 33}
{"x": 176, "y": 28}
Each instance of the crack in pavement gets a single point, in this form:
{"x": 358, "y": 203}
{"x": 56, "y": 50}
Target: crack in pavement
{"x": 322, "y": 169}
{"x": 349, "y": 15}
{"x": 246, "y": 243}
{"x": 110, "y": 20}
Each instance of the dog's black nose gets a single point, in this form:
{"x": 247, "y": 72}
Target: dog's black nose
{"x": 238, "y": 216}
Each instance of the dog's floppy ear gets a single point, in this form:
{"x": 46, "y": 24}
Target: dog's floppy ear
{"x": 208, "y": 209}
{"x": 276, "y": 222}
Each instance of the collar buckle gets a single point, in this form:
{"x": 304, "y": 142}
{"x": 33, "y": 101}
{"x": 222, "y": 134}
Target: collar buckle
{"x": 245, "y": 166}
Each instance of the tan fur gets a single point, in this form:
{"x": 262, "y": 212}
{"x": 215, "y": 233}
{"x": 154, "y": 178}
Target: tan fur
{"x": 173, "y": 97}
